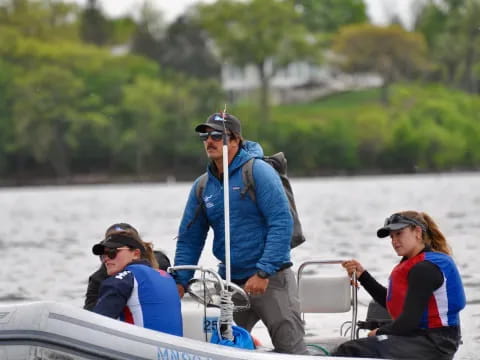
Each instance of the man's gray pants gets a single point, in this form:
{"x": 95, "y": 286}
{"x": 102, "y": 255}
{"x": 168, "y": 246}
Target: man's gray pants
{"x": 279, "y": 310}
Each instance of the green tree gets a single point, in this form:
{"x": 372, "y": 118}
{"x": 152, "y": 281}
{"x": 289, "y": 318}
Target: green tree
{"x": 123, "y": 29}
{"x": 330, "y": 15}
{"x": 147, "y": 115}
{"x": 432, "y": 128}
{"x": 40, "y": 19}
{"x": 372, "y": 132}
{"x": 391, "y": 51}
{"x": 45, "y": 115}
{"x": 451, "y": 29}
{"x": 69, "y": 108}
{"x": 94, "y": 27}
{"x": 7, "y": 140}
{"x": 265, "y": 33}
{"x": 430, "y": 20}
{"x": 469, "y": 27}
{"x": 150, "y": 29}
{"x": 104, "y": 122}
{"x": 185, "y": 48}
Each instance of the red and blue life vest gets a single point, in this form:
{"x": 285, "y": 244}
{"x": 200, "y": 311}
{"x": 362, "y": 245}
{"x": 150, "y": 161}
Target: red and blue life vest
{"x": 445, "y": 303}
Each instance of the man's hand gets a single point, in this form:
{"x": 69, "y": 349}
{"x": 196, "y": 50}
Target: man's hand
{"x": 181, "y": 290}
{"x": 373, "y": 332}
{"x": 256, "y": 285}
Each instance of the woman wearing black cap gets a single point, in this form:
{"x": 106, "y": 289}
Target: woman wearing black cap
{"x": 424, "y": 296}
{"x": 134, "y": 291}
{"x": 160, "y": 261}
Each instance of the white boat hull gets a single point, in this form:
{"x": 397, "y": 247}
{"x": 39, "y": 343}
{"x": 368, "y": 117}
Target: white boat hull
{"x": 49, "y": 330}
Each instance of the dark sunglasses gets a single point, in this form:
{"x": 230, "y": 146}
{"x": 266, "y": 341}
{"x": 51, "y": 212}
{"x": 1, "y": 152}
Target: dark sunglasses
{"x": 215, "y": 135}
{"x": 398, "y": 218}
{"x": 112, "y": 253}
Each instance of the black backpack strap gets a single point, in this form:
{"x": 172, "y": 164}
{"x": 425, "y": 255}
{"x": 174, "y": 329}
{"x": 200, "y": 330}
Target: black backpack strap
{"x": 248, "y": 180}
{"x": 202, "y": 181}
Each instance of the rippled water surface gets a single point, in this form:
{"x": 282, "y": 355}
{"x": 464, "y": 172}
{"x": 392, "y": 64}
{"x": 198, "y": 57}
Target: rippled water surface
{"x": 46, "y": 233}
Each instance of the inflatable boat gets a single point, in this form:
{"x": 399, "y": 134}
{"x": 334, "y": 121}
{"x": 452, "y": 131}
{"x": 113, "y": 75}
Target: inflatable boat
{"x": 54, "y": 331}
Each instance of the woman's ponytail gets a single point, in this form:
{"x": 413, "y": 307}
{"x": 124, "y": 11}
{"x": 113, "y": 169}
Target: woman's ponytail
{"x": 433, "y": 236}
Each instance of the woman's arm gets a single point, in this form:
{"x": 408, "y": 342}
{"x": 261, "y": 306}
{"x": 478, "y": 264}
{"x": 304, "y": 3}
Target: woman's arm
{"x": 114, "y": 294}
{"x": 377, "y": 291}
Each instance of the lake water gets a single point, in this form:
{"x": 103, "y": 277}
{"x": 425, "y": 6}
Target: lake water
{"x": 46, "y": 233}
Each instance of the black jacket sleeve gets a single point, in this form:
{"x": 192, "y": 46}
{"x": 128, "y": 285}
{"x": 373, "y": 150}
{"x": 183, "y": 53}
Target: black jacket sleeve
{"x": 377, "y": 291}
{"x": 93, "y": 289}
{"x": 423, "y": 279}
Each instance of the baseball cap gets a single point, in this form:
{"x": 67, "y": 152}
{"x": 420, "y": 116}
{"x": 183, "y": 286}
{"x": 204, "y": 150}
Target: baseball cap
{"x": 217, "y": 120}
{"x": 397, "y": 222}
{"x": 115, "y": 241}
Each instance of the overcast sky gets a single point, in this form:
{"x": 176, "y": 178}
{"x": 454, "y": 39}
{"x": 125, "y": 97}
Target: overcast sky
{"x": 379, "y": 10}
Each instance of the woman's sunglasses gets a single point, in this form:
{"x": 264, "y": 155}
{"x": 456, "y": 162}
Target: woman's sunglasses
{"x": 402, "y": 219}
{"x": 215, "y": 135}
{"x": 112, "y": 253}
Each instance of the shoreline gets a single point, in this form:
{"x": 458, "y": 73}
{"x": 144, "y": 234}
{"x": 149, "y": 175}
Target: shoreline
{"x": 105, "y": 179}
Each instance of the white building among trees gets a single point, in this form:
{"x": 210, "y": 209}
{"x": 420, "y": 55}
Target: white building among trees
{"x": 297, "y": 82}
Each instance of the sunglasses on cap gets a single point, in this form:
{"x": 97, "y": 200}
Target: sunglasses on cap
{"x": 112, "y": 253}
{"x": 401, "y": 219}
{"x": 215, "y": 135}
{"x": 121, "y": 227}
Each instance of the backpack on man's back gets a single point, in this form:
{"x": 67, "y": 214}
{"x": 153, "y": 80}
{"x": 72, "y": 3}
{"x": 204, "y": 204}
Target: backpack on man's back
{"x": 279, "y": 162}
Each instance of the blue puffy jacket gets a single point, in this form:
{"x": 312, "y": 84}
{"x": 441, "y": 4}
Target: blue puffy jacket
{"x": 260, "y": 231}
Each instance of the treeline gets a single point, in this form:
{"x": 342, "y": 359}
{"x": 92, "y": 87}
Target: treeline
{"x": 68, "y": 108}
{"x": 91, "y": 98}
{"x": 424, "y": 128}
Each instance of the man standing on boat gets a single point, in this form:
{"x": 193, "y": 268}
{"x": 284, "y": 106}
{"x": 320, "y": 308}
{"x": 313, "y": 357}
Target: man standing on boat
{"x": 261, "y": 231}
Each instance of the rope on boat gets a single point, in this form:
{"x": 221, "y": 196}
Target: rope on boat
{"x": 226, "y": 314}
{"x": 204, "y": 301}
{"x": 320, "y": 347}
{"x": 344, "y": 332}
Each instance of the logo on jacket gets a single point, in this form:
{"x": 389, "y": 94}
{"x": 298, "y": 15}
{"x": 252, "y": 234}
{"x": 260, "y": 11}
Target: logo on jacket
{"x": 121, "y": 275}
{"x": 206, "y": 200}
